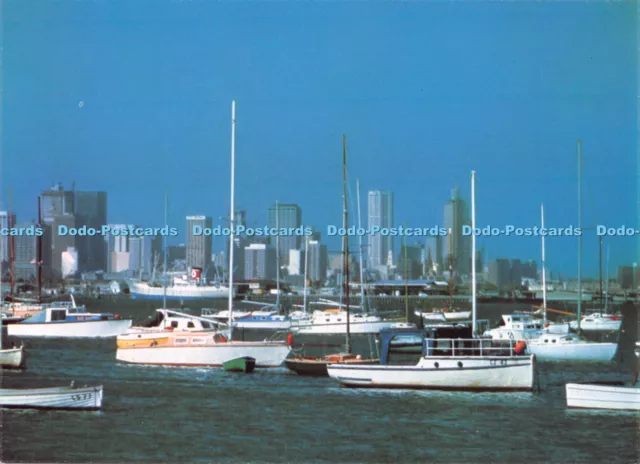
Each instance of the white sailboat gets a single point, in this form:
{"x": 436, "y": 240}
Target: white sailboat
{"x": 198, "y": 345}
{"x": 12, "y": 358}
{"x": 572, "y": 347}
{"x": 445, "y": 363}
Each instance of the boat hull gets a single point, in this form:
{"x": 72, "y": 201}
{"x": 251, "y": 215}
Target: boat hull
{"x": 266, "y": 354}
{"x": 581, "y": 396}
{"x": 598, "y": 326}
{"x": 452, "y": 373}
{"x": 145, "y": 292}
{"x": 243, "y": 364}
{"x": 264, "y": 325}
{"x": 89, "y": 398}
{"x": 588, "y": 352}
{"x": 80, "y": 329}
{"x": 13, "y": 358}
{"x": 341, "y": 328}
{"x": 314, "y": 367}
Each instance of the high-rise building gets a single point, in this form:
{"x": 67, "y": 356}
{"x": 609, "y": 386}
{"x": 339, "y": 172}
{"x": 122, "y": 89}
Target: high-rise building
{"x": 6, "y": 220}
{"x": 141, "y": 254}
{"x": 259, "y": 262}
{"x": 25, "y": 255}
{"x": 285, "y": 215}
{"x": 56, "y": 202}
{"x": 530, "y": 269}
{"x": 318, "y": 262}
{"x": 516, "y": 273}
{"x": 91, "y": 210}
{"x": 459, "y": 246}
{"x": 198, "y": 246}
{"x": 296, "y": 262}
{"x": 117, "y": 249}
{"x": 413, "y": 264}
{"x": 500, "y": 274}
{"x": 434, "y": 248}
{"x": 380, "y": 214}
{"x": 626, "y": 277}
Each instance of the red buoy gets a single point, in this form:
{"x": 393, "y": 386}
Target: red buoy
{"x": 520, "y": 347}
{"x": 290, "y": 339}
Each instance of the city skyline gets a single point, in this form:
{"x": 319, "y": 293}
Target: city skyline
{"x": 451, "y": 97}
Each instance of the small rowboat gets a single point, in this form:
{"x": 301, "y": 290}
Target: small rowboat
{"x": 88, "y": 398}
{"x": 13, "y": 358}
{"x": 245, "y": 364}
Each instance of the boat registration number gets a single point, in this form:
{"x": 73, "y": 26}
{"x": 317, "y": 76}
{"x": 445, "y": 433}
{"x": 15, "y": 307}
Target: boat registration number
{"x": 498, "y": 362}
{"x": 81, "y": 397}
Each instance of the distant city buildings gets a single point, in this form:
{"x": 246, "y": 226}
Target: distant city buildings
{"x": 318, "y": 261}
{"x": 456, "y": 244}
{"x": 259, "y": 262}
{"x": 287, "y": 216}
{"x": 434, "y": 257}
{"x": 91, "y": 211}
{"x": 628, "y": 277}
{"x": 6, "y": 220}
{"x": 380, "y": 214}
{"x": 198, "y": 246}
{"x": 25, "y": 255}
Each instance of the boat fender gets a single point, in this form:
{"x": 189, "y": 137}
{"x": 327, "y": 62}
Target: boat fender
{"x": 520, "y": 347}
{"x": 117, "y": 316}
{"x": 290, "y": 339}
{"x": 222, "y": 339}
{"x": 169, "y": 328}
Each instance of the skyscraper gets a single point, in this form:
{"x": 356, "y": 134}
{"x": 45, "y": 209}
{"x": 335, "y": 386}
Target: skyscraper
{"x": 259, "y": 262}
{"x": 118, "y": 249}
{"x": 198, "y": 246}
{"x": 91, "y": 210}
{"x": 56, "y": 202}
{"x": 434, "y": 249}
{"x": 459, "y": 246}
{"x": 318, "y": 261}
{"x": 5, "y": 222}
{"x": 380, "y": 213}
{"x": 25, "y": 255}
{"x": 288, "y": 215}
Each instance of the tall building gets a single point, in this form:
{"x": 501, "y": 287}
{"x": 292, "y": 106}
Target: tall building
{"x": 459, "y": 246}
{"x": 434, "y": 249}
{"x": 117, "y": 249}
{"x": 25, "y": 255}
{"x": 198, "y": 246}
{"x": 259, "y": 262}
{"x": 296, "y": 262}
{"x": 285, "y": 215}
{"x": 56, "y": 202}
{"x": 516, "y": 273}
{"x": 500, "y": 274}
{"x": 6, "y": 221}
{"x": 91, "y": 210}
{"x": 380, "y": 214}
{"x": 626, "y": 277}
{"x": 318, "y": 262}
{"x": 530, "y": 269}
{"x": 141, "y": 254}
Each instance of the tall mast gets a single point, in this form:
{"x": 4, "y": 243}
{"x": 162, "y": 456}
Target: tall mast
{"x": 601, "y": 295}
{"x": 278, "y": 257}
{"x": 450, "y": 269}
{"x": 11, "y": 246}
{"x": 579, "y": 236}
{"x": 231, "y": 237}
{"x": 606, "y": 302}
{"x": 474, "y": 283}
{"x": 164, "y": 250}
{"x": 363, "y": 302}
{"x": 346, "y": 238}
{"x": 306, "y": 266}
{"x": 39, "y": 255}
{"x": 406, "y": 279}
{"x": 544, "y": 270}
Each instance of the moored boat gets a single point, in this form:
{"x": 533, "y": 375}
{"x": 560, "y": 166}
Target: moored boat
{"x": 180, "y": 289}
{"x": 334, "y": 321}
{"x": 244, "y": 364}
{"x": 89, "y": 398}
{"x": 598, "y": 322}
{"x": 586, "y": 396}
{"x": 570, "y": 347}
{"x": 317, "y": 366}
{"x": 13, "y": 358}
{"x": 516, "y": 327}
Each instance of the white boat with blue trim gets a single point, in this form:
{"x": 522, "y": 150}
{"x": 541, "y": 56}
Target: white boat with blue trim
{"x": 71, "y": 397}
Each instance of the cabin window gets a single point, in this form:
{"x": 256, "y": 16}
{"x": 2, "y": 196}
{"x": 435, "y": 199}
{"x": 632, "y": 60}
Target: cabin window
{"x": 339, "y": 320}
{"x": 181, "y": 341}
{"x": 58, "y": 315}
{"x": 553, "y": 341}
{"x": 206, "y": 325}
{"x": 174, "y": 324}
{"x": 190, "y": 325}
{"x": 196, "y": 341}
{"x": 263, "y": 318}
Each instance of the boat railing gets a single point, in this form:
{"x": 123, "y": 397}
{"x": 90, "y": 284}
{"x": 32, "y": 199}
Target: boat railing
{"x": 471, "y": 347}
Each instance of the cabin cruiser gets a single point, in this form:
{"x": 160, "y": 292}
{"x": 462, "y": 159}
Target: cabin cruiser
{"x": 598, "y": 322}
{"x": 516, "y": 327}
{"x": 334, "y": 321}
{"x": 69, "y": 322}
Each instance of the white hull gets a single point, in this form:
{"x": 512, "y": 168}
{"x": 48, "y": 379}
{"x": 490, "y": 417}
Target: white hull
{"x": 81, "y": 329}
{"x": 602, "y": 397}
{"x": 594, "y": 352}
{"x": 446, "y": 316}
{"x": 266, "y": 355}
{"x": 485, "y": 373}
{"x": 144, "y": 291}
{"x": 265, "y": 325}
{"x": 12, "y": 358}
{"x": 341, "y": 327}
{"x": 52, "y": 398}
{"x": 600, "y": 325}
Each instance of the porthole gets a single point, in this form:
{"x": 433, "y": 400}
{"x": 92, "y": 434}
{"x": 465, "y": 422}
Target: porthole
{"x": 460, "y": 364}
{"x": 436, "y": 365}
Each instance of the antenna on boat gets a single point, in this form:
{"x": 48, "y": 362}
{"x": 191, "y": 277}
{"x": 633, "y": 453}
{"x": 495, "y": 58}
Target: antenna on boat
{"x": 231, "y": 235}
{"x": 346, "y": 238}
{"x": 579, "y": 236}
{"x": 544, "y": 271}
{"x": 473, "y": 252}
{"x": 277, "y": 257}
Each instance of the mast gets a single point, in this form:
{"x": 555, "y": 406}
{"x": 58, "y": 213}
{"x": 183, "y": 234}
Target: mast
{"x": 362, "y": 298}
{"x": 231, "y": 238}
{"x": 346, "y": 238}
{"x": 474, "y": 284}
{"x": 450, "y": 270}
{"x": 11, "y": 247}
{"x": 164, "y": 251}
{"x": 306, "y": 266}
{"x": 544, "y": 271}
{"x": 39, "y": 255}
{"x": 406, "y": 280}
{"x": 601, "y": 295}
{"x": 606, "y": 302}
{"x": 278, "y": 257}
{"x": 579, "y": 236}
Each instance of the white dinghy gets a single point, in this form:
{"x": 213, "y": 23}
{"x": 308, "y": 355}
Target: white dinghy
{"x": 71, "y": 397}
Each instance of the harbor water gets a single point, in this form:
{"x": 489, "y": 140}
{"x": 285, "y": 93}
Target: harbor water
{"x": 161, "y": 414}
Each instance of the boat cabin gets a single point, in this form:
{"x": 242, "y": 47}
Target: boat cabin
{"x": 66, "y": 314}
{"x": 519, "y": 322}
{"x": 174, "y": 320}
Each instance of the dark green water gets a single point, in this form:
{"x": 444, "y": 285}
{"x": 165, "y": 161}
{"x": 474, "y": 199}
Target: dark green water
{"x": 157, "y": 414}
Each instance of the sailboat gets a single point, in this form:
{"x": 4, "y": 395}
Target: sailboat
{"x": 167, "y": 345}
{"x": 569, "y": 346}
{"x": 447, "y": 362}
{"x": 600, "y": 322}
{"x": 317, "y": 366}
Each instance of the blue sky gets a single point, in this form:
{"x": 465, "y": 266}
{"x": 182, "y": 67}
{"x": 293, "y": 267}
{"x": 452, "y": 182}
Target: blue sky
{"x": 424, "y": 91}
